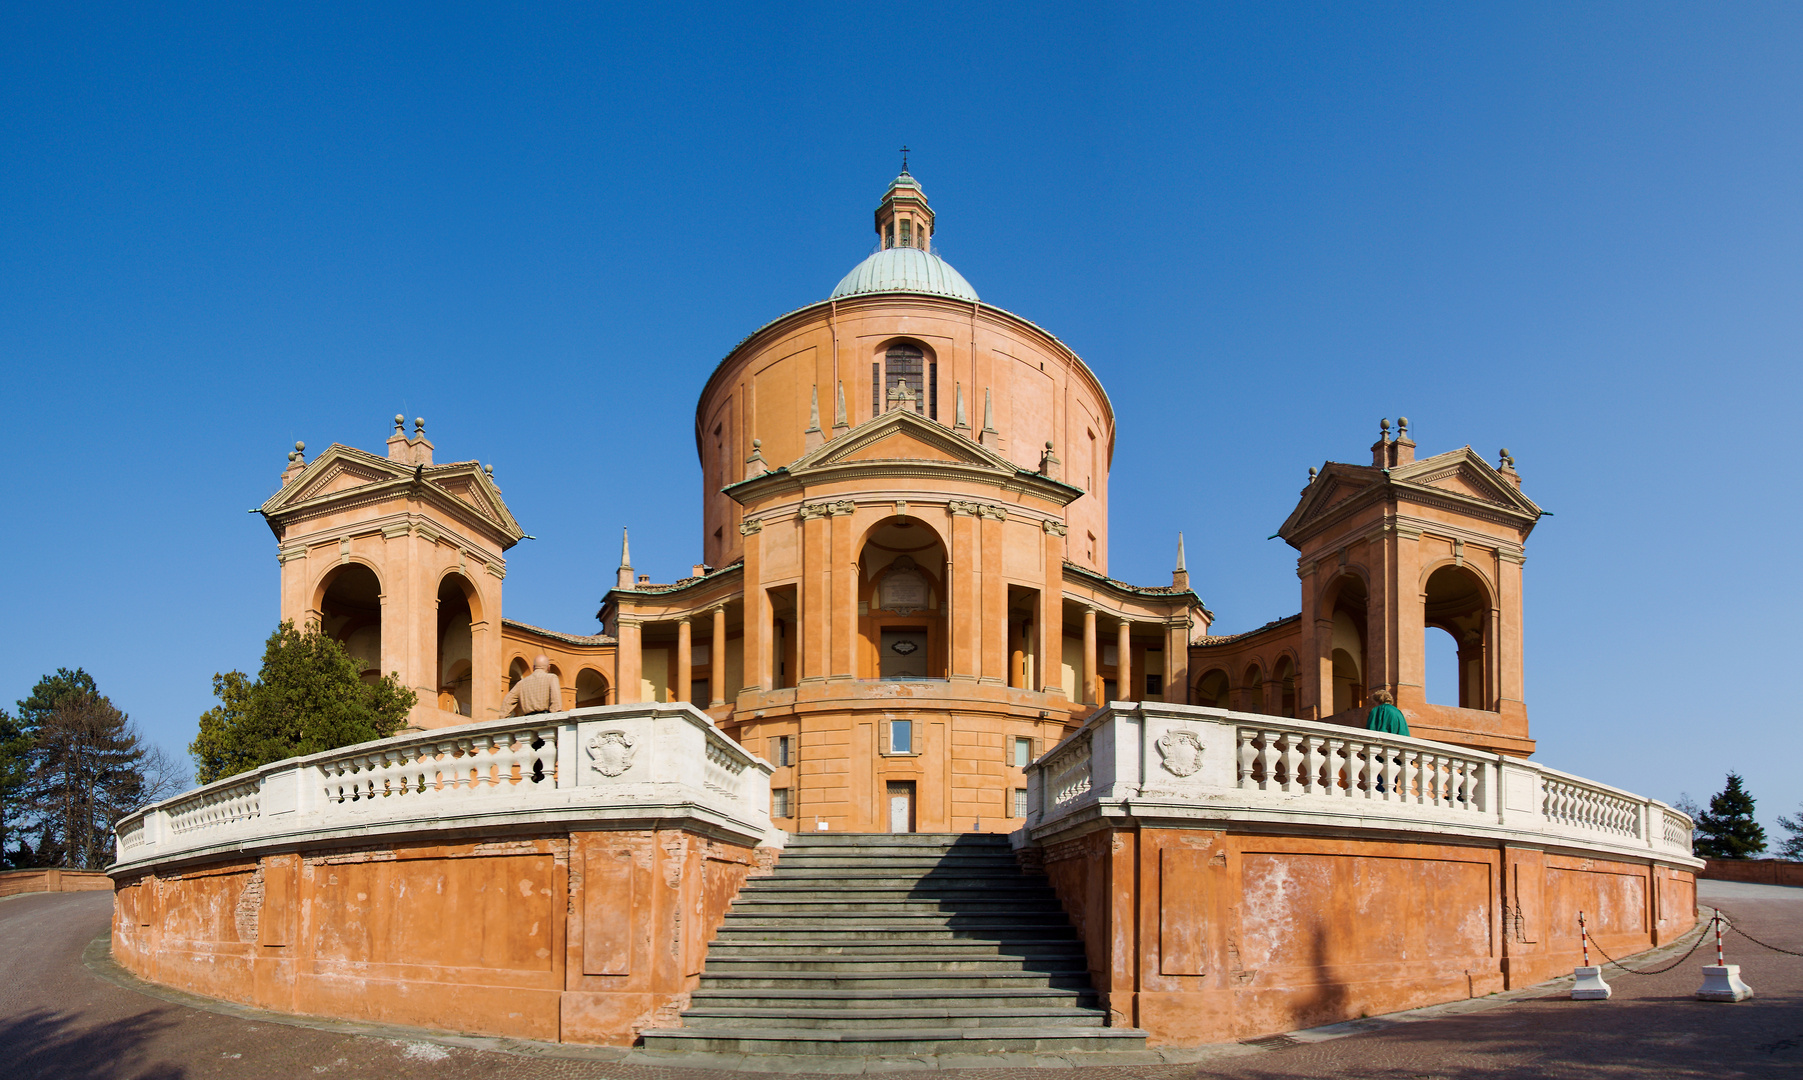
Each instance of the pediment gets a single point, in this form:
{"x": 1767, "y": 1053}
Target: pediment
{"x": 900, "y": 435}
{"x": 1459, "y": 477}
{"x": 1463, "y": 473}
{"x": 341, "y": 472}
{"x": 342, "y": 476}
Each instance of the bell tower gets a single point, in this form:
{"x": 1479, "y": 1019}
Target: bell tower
{"x": 1395, "y": 550}
{"x": 401, "y": 560}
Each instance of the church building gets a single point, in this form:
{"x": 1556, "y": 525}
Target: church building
{"x": 902, "y": 594}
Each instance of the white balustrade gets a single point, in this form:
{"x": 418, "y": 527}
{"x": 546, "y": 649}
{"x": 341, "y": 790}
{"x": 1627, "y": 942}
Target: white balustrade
{"x": 612, "y": 764}
{"x": 1156, "y": 761}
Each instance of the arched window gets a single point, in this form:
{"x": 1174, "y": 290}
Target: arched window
{"x": 351, "y": 612}
{"x": 906, "y": 366}
{"x": 454, "y": 645}
{"x": 1285, "y": 674}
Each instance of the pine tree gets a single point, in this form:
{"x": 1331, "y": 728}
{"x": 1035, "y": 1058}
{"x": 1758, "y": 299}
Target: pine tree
{"x": 14, "y": 750}
{"x": 1727, "y": 830}
{"x": 308, "y": 697}
{"x": 84, "y": 769}
{"x": 1792, "y": 848}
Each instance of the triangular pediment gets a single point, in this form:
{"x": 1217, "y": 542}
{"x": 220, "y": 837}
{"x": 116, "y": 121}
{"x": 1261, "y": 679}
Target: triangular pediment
{"x": 1463, "y": 473}
{"x": 900, "y": 435}
{"x": 345, "y": 472}
{"x": 1459, "y": 479}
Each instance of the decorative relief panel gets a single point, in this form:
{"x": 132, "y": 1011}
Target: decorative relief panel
{"x": 1181, "y": 751}
{"x": 611, "y": 752}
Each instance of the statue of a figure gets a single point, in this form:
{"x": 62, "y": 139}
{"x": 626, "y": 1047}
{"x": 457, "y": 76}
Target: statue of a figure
{"x": 538, "y": 692}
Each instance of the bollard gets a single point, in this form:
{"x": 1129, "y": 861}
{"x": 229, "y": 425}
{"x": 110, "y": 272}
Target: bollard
{"x": 1589, "y": 985}
{"x": 1721, "y": 980}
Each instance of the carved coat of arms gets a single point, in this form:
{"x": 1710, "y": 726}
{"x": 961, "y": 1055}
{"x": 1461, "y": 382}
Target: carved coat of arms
{"x": 612, "y": 752}
{"x": 1182, "y": 752}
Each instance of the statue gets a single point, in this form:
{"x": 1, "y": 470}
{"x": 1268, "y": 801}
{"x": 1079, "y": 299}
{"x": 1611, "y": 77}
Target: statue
{"x": 539, "y": 692}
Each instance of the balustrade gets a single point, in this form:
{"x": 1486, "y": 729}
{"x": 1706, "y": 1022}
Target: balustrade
{"x": 1307, "y": 764}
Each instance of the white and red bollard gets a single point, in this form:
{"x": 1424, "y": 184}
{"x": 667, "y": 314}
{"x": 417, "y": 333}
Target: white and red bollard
{"x": 1721, "y": 980}
{"x": 1589, "y": 985}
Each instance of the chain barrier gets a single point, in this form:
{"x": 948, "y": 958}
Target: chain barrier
{"x": 1694, "y": 946}
{"x": 1730, "y": 920}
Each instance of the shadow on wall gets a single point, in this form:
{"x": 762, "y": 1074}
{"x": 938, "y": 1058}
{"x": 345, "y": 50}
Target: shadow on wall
{"x": 44, "y": 1043}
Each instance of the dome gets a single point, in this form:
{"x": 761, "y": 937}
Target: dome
{"x": 905, "y": 270}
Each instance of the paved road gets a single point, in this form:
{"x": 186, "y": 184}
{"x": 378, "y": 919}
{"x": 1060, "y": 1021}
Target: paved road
{"x": 58, "y": 1019}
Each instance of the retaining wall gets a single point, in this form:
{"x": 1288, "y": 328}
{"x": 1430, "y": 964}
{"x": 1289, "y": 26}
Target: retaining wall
{"x": 1755, "y": 871}
{"x": 53, "y": 879}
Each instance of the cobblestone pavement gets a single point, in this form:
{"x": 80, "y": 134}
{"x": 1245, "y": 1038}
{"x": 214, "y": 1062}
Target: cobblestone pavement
{"x": 58, "y": 1018}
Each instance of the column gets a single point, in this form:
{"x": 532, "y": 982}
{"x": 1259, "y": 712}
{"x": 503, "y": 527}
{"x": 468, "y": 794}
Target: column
{"x": 716, "y": 681}
{"x": 1092, "y": 684}
{"x": 812, "y": 596}
{"x": 1051, "y": 612}
{"x": 628, "y": 662}
{"x": 992, "y": 616}
{"x": 1176, "y": 660}
{"x": 685, "y": 671}
{"x": 1123, "y": 668}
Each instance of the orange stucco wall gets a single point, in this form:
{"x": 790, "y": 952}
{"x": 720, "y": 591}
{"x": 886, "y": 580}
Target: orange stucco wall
{"x": 586, "y": 937}
{"x": 1756, "y": 871}
{"x": 1203, "y": 936}
{"x": 53, "y": 879}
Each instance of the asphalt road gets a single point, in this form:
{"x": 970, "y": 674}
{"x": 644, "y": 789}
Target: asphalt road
{"x": 58, "y": 1018}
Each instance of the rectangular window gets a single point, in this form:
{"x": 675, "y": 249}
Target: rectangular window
{"x": 933, "y": 390}
{"x": 1154, "y": 685}
{"x": 698, "y": 691}
{"x": 901, "y": 736}
{"x": 1023, "y": 753}
{"x": 907, "y": 233}
{"x": 1020, "y": 802}
{"x": 779, "y": 751}
{"x": 876, "y": 389}
{"x": 1108, "y": 693}
{"x": 779, "y": 802}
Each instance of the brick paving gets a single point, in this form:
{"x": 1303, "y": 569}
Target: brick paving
{"x": 59, "y": 1019}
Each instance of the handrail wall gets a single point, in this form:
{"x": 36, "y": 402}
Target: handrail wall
{"x": 615, "y": 763}
{"x": 1152, "y": 761}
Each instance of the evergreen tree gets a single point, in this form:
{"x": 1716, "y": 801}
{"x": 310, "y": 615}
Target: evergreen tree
{"x": 83, "y": 769}
{"x": 1792, "y": 848}
{"x": 1727, "y": 830}
{"x": 308, "y": 697}
{"x": 14, "y": 747}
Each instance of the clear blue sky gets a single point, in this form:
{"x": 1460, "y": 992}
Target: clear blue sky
{"x": 1569, "y": 230}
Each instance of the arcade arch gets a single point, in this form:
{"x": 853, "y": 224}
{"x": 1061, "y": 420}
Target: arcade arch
{"x": 1457, "y": 601}
{"x": 1347, "y": 654}
{"x": 350, "y": 612}
{"x": 456, "y": 597}
{"x": 901, "y": 594}
{"x": 591, "y": 688}
{"x": 1211, "y": 689}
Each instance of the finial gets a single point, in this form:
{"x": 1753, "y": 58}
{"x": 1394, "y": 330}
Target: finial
{"x": 1402, "y": 426}
{"x": 904, "y": 153}
{"x": 959, "y": 421}
{"x": 1312, "y": 473}
{"x": 839, "y": 420}
{"x": 1182, "y": 567}
{"x": 1384, "y": 426}
{"x": 814, "y": 407}
{"x": 1507, "y": 462}
{"x": 400, "y": 423}
{"x": 625, "y": 550}
{"x": 419, "y": 427}
{"x": 300, "y": 447}
{"x": 488, "y": 471}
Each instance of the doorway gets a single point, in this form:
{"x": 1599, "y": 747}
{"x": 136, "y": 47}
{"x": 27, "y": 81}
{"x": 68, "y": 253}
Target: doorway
{"x": 901, "y": 806}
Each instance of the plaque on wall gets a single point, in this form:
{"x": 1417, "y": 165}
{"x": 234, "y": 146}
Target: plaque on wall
{"x": 904, "y": 588}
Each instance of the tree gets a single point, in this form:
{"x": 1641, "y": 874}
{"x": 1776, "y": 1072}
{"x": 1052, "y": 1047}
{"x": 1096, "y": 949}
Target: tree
{"x": 14, "y": 747}
{"x": 308, "y": 697}
{"x": 83, "y": 770}
{"x": 1792, "y": 848}
{"x": 1727, "y": 830}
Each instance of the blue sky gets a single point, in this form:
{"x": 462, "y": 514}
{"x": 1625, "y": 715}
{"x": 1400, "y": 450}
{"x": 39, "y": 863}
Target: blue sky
{"x": 1569, "y": 230}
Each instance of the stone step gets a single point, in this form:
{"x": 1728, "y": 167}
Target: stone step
{"x": 901, "y": 997}
{"x": 912, "y": 839}
{"x": 952, "y": 949}
{"x": 1075, "y": 978}
{"x": 716, "y": 1016}
{"x": 895, "y": 1041}
{"x": 758, "y": 905}
{"x": 978, "y": 922}
{"x": 950, "y": 883}
{"x": 917, "y": 933}
{"x": 1068, "y": 962}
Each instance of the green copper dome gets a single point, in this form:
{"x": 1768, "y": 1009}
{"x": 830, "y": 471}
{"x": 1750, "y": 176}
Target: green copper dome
{"x": 904, "y": 270}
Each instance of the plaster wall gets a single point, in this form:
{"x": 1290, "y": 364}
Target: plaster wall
{"x": 586, "y": 937}
{"x": 1203, "y": 936}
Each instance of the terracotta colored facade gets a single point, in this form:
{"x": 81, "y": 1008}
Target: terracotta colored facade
{"x": 904, "y": 444}
{"x": 581, "y": 936}
{"x": 1203, "y": 936}
{"x": 53, "y": 879}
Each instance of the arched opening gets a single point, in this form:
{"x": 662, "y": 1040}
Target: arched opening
{"x": 1459, "y": 604}
{"x": 519, "y": 669}
{"x": 1252, "y": 691}
{"x": 1211, "y": 689}
{"x": 454, "y": 645}
{"x": 350, "y": 610}
{"x": 591, "y": 688}
{"x": 1348, "y": 646}
{"x": 1285, "y": 674}
{"x": 902, "y": 602}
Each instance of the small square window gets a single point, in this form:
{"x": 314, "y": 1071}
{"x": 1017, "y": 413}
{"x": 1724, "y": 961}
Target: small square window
{"x": 901, "y": 736}
{"x": 1020, "y": 802}
{"x": 1023, "y": 753}
{"x": 1154, "y": 685}
{"x": 779, "y": 802}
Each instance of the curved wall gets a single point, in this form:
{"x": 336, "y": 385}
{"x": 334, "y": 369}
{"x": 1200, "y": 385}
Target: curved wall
{"x": 1039, "y": 391}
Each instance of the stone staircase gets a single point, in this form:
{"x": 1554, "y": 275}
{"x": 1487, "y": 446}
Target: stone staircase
{"x": 895, "y": 944}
